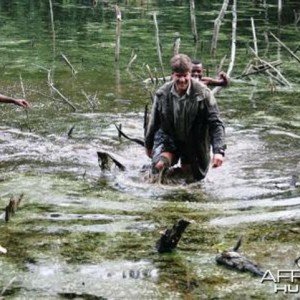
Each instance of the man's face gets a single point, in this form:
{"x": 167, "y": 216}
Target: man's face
{"x": 182, "y": 81}
{"x": 197, "y": 71}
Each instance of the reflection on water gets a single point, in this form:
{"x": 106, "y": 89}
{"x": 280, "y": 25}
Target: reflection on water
{"x": 110, "y": 280}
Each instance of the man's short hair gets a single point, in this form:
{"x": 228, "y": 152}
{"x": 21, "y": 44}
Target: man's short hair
{"x": 196, "y": 62}
{"x": 181, "y": 63}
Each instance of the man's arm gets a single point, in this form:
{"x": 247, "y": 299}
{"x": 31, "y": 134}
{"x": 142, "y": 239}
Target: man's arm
{"x": 216, "y": 131}
{"x": 19, "y": 102}
{"x": 221, "y": 81}
{"x": 153, "y": 126}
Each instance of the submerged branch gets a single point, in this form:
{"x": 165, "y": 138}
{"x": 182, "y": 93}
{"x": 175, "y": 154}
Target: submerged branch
{"x": 63, "y": 97}
{"x": 285, "y": 47}
{"x": 74, "y": 72}
{"x": 136, "y": 140}
{"x": 281, "y": 80}
{"x": 7, "y": 286}
{"x": 51, "y": 85}
{"x": 90, "y": 102}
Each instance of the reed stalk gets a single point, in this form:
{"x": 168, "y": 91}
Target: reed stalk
{"x": 24, "y": 97}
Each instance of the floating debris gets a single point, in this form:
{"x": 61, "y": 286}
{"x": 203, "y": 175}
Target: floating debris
{"x": 73, "y": 295}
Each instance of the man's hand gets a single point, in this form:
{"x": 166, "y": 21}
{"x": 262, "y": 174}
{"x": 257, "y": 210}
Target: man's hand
{"x": 217, "y": 160}
{"x": 224, "y": 77}
{"x": 22, "y": 102}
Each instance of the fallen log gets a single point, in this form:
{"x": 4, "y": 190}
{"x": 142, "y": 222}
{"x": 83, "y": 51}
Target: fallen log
{"x": 234, "y": 260}
{"x": 170, "y": 238}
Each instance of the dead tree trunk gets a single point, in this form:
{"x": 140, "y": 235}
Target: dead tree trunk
{"x": 279, "y": 10}
{"x": 217, "y": 25}
{"x": 254, "y": 36}
{"x": 193, "y": 20}
{"x": 233, "y": 44}
{"x": 118, "y": 33}
{"x": 158, "y": 46}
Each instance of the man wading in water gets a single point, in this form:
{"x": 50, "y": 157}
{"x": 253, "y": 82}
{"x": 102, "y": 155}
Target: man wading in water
{"x": 184, "y": 125}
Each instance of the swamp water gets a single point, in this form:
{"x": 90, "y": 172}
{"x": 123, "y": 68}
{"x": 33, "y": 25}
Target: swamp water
{"x": 83, "y": 234}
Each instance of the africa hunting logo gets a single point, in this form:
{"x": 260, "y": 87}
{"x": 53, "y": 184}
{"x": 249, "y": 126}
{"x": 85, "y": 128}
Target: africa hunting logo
{"x": 284, "y": 280}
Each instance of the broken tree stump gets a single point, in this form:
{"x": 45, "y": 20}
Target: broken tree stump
{"x": 105, "y": 159}
{"x": 170, "y": 238}
{"x": 12, "y": 207}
